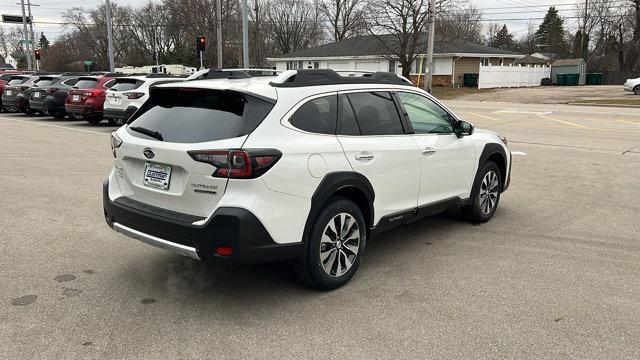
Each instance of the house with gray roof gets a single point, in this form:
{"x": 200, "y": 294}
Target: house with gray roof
{"x": 452, "y": 57}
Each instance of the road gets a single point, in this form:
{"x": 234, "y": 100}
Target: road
{"x": 554, "y": 275}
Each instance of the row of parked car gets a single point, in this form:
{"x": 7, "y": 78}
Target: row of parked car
{"x": 92, "y": 97}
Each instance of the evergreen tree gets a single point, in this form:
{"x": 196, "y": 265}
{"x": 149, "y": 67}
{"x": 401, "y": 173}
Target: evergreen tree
{"x": 43, "y": 42}
{"x": 580, "y": 49}
{"x": 503, "y": 39}
{"x": 551, "y": 34}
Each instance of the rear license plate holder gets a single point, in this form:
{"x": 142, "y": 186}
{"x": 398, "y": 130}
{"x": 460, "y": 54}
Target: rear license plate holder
{"x": 157, "y": 176}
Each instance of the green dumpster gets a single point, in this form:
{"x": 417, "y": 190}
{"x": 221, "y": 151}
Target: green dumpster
{"x": 471, "y": 80}
{"x": 561, "y": 79}
{"x": 573, "y": 79}
{"x": 595, "y": 79}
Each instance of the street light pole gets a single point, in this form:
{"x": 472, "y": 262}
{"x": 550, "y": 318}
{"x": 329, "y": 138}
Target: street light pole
{"x": 219, "y": 32}
{"x": 110, "y": 36}
{"x": 25, "y": 36}
{"x": 245, "y": 35}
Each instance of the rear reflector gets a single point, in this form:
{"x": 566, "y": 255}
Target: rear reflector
{"x": 224, "y": 251}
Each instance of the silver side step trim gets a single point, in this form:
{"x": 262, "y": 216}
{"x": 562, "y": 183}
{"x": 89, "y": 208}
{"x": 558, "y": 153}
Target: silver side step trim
{"x": 156, "y": 241}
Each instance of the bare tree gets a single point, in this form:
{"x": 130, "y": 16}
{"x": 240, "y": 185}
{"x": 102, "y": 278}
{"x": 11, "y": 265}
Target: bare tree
{"x": 457, "y": 22}
{"x": 346, "y": 18}
{"x": 293, "y": 24}
{"x": 403, "y": 23}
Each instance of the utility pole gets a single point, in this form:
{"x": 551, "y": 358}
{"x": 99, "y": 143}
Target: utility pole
{"x": 33, "y": 38}
{"x": 110, "y": 36}
{"x": 584, "y": 29}
{"x": 219, "y": 32}
{"x": 25, "y": 36}
{"x": 245, "y": 35}
{"x": 428, "y": 80}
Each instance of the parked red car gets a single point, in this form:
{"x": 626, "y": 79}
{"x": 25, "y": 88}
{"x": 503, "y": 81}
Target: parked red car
{"x": 86, "y": 98}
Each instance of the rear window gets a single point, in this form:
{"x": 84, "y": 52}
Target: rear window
{"x": 126, "y": 84}
{"x": 198, "y": 115}
{"x": 17, "y": 81}
{"x": 86, "y": 83}
{"x": 44, "y": 82}
{"x": 5, "y": 77}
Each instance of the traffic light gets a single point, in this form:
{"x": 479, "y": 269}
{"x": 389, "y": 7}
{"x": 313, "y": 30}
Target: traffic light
{"x": 201, "y": 43}
{"x": 38, "y": 53}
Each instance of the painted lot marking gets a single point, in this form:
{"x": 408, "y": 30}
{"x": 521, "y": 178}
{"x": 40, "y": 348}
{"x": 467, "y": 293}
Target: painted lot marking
{"x": 523, "y": 112}
{"x": 629, "y": 122}
{"x": 522, "y": 153}
{"x": 54, "y": 126}
{"x": 564, "y": 122}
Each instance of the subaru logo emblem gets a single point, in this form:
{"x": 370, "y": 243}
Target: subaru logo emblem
{"x": 148, "y": 153}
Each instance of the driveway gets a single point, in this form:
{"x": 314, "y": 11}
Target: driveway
{"x": 551, "y": 94}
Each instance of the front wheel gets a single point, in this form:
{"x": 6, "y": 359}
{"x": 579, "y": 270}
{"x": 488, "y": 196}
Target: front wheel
{"x": 335, "y": 246}
{"x": 485, "y": 195}
{"x": 636, "y": 90}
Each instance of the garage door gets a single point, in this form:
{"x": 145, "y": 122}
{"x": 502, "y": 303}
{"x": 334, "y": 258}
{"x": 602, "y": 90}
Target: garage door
{"x": 368, "y": 65}
{"x": 338, "y": 65}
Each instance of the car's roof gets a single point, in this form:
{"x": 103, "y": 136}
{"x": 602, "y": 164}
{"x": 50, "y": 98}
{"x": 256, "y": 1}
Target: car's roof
{"x": 261, "y": 86}
{"x": 255, "y": 86}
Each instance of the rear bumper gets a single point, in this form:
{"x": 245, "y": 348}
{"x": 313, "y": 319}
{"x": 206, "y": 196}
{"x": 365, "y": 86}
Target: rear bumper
{"x": 36, "y": 104}
{"x": 124, "y": 114}
{"x": 230, "y": 227}
{"x": 18, "y": 102}
{"x": 82, "y": 110}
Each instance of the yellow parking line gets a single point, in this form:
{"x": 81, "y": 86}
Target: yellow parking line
{"x": 565, "y": 122}
{"x": 629, "y": 122}
{"x": 488, "y": 117}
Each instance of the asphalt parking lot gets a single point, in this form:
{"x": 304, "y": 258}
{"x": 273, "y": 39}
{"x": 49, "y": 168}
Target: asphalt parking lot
{"x": 555, "y": 274}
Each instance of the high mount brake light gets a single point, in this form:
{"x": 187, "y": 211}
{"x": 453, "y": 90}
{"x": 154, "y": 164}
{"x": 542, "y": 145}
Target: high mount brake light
{"x": 238, "y": 164}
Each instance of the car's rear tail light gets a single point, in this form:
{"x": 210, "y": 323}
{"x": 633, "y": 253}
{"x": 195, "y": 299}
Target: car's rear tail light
{"x": 52, "y": 90}
{"x": 133, "y": 95}
{"x": 115, "y": 143}
{"x": 224, "y": 251}
{"x": 238, "y": 164}
{"x": 21, "y": 88}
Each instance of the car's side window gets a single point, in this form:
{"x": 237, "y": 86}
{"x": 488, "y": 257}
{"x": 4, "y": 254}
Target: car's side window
{"x": 426, "y": 116}
{"x": 347, "y": 124}
{"x": 376, "y": 113}
{"x": 317, "y": 116}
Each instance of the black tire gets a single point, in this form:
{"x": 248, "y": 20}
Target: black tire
{"x": 311, "y": 271}
{"x": 636, "y": 90}
{"x": 93, "y": 120}
{"x": 476, "y": 210}
{"x": 116, "y": 122}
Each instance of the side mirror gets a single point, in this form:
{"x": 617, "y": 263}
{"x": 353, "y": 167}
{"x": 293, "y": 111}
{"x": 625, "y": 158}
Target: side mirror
{"x": 464, "y": 129}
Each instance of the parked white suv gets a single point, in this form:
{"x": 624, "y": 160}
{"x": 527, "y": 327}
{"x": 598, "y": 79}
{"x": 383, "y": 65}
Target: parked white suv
{"x": 306, "y": 166}
{"x": 632, "y": 85}
{"x": 127, "y": 94}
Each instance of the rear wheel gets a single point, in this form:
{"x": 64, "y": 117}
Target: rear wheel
{"x": 485, "y": 195}
{"x": 335, "y": 246}
{"x": 636, "y": 90}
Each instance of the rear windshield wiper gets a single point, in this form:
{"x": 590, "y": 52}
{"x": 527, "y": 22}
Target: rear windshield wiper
{"x": 154, "y": 134}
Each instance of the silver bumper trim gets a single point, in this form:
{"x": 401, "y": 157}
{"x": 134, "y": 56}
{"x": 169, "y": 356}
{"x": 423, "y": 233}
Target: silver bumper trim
{"x": 156, "y": 241}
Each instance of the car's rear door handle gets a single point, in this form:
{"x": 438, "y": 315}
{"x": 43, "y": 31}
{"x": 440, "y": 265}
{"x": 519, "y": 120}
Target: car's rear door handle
{"x": 364, "y": 157}
{"x": 429, "y": 151}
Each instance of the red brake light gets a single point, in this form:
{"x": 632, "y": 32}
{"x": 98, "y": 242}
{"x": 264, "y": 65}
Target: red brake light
{"x": 133, "y": 95}
{"x": 52, "y": 90}
{"x": 224, "y": 251}
{"x": 96, "y": 92}
{"x": 238, "y": 164}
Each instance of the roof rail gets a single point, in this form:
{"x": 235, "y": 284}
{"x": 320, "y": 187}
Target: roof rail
{"x": 226, "y": 74}
{"x": 317, "y": 77}
{"x": 168, "y": 76}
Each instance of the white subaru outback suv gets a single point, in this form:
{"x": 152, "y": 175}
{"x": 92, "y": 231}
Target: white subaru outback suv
{"x": 306, "y": 166}
{"x": 127, "y": 94}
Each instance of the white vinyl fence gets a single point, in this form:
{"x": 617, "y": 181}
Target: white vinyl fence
{"x": 512, "y": 76}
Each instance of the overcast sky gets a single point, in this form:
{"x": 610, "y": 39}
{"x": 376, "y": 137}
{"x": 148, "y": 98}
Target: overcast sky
{"x": 515, "y": 13}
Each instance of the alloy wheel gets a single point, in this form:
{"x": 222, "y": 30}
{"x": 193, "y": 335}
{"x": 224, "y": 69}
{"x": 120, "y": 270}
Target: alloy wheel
{"x": 489, "y": 192}
{"x": 339, "y": 245}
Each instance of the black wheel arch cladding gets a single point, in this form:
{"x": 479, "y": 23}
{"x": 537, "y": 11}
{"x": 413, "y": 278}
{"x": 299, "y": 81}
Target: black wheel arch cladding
{"x": 497, "y": 154}
{"x": 348, "y": 184}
